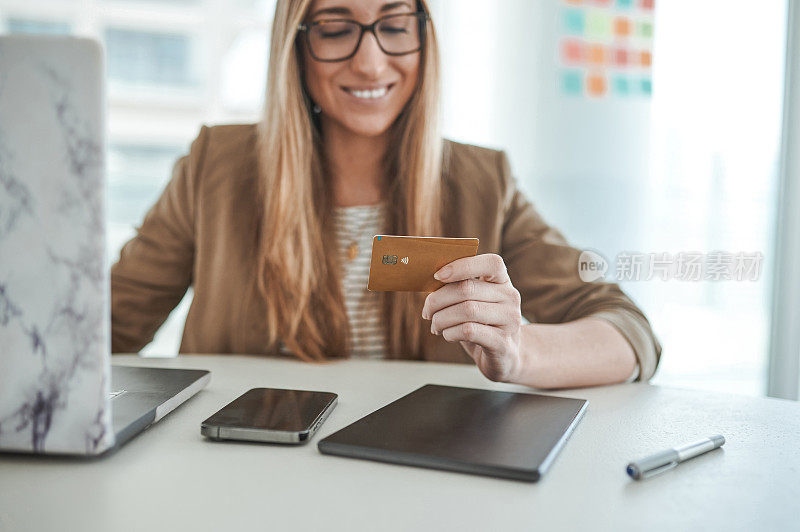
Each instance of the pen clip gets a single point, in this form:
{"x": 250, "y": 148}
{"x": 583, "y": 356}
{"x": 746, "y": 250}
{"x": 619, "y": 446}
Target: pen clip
{"x": 657, "y": 470}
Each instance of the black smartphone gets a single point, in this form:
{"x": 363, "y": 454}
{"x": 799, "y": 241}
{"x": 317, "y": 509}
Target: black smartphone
{"x": 271, "y": 415}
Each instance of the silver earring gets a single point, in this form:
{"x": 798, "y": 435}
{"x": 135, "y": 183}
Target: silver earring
{"x": 317, "y": 109}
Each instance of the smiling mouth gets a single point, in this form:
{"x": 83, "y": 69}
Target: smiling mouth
{"x": 369, "y": 93}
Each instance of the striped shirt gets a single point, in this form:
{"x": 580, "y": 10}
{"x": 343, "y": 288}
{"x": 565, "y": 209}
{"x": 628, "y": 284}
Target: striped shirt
{"x": 357, "y": 225}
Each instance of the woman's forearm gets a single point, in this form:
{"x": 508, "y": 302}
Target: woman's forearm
{"x": 584, "y": 352}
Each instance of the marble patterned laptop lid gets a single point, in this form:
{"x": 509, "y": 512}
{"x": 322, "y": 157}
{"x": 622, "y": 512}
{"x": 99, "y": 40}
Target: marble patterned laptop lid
{"x": 54, "y": 320}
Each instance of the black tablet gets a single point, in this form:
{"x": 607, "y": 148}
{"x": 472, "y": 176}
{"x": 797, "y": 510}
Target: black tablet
{"x": 484, "y": 432}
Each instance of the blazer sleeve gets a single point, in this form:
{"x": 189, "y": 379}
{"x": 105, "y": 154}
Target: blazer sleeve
{"x": 154, "y": 269}
{"x": 544, "y": 268}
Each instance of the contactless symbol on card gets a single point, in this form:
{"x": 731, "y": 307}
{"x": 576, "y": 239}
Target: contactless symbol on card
{"x": 392, "y": 259}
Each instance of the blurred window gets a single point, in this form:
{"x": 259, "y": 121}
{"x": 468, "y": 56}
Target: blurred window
{"x": 143, "y": 57}
{"x": 136, "y": 175}
{"x": 717, "y": 108}
{"x": 40, "y": 27}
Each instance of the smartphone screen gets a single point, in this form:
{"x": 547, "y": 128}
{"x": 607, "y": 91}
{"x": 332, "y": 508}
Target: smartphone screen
{"x": 273, "y": 409}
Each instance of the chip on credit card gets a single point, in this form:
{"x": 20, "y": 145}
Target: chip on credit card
{"x": 407, "y": 263}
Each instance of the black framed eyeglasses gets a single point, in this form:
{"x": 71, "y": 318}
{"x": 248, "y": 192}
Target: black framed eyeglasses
{"x": 331, "y": 40}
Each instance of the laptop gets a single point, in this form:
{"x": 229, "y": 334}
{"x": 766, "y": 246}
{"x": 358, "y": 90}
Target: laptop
{"x": 484, "y": 432}
{"x": 59, "y": 393}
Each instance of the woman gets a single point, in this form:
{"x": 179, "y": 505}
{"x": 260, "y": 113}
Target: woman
{"x": 272, "y": 224}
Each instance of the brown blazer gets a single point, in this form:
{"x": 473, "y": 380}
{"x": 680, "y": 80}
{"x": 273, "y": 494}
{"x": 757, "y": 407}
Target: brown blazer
{"x": 199, "y": 234}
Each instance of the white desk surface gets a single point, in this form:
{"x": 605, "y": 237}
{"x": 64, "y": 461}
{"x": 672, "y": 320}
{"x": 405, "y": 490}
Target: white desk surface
{"x": 171, "y": 478}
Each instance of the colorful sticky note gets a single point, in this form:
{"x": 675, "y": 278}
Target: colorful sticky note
{"x": 621, "y": 85}
{"x": 572, "y": 51}
{"x": 620, "y": 57}
{"x": 598, "y": 25}
{"x": 573, "y": 22}
{"x": 572, "y": 82}
{"x": 622, "y": 27}
{"x": 595, "y": 84}
{"x": 596, "y": 54}
{"x": 596, "y": 48}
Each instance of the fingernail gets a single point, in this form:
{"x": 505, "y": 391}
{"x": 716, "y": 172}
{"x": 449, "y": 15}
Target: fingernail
{"x": 424, "y": 314}
{"x": 443, "y": 274}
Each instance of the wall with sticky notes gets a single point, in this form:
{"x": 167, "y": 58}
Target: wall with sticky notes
{"x": 517, "y": 75}
{"x": 606, "y": 48}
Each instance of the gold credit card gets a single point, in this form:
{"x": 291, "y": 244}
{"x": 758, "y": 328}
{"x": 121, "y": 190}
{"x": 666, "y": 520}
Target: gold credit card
{"x": 407, "y": 263}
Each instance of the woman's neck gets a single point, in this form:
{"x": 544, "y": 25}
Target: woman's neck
{"x": 355, "y": 164}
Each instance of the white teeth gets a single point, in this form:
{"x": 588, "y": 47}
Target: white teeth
{"x": 367, "y": 95}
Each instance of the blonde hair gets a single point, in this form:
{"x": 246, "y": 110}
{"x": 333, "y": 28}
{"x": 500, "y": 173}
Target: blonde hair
{"x": 299, "y": 277}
